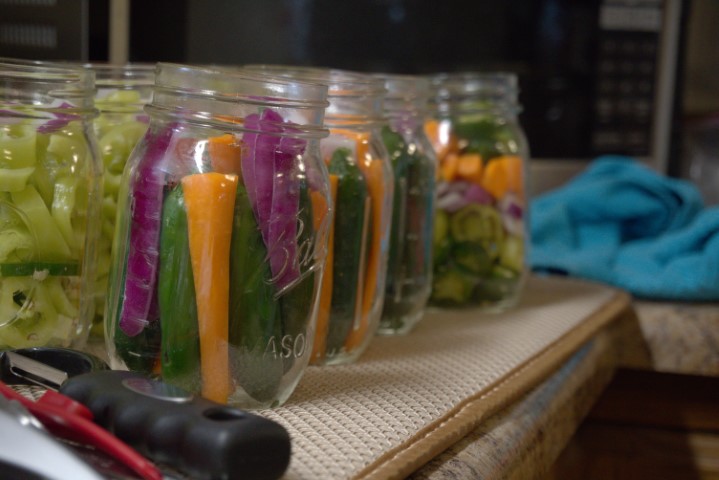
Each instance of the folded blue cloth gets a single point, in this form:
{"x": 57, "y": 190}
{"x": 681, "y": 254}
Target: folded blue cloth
{"x": 621, "y": 223}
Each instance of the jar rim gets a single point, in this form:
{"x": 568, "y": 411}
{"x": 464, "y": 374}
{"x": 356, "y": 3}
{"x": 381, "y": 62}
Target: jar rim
{"x": 216, "y": 97}
{"x": 507, "y": 79}
{"x": 126, "y": 75}
{"x": 46, "y": 86}
{"x": 444, "y": 83}
{"x": 227, "y": 85}
{"x": 406, "y": 94}
{"x": 401, "y": 85}
{"x": 354, "y": 97}
{"x": 73, "y": 81}
{"x": 499, "y": 90}
{"x": 43, "y": 72}
{"x": 340, "y": 83}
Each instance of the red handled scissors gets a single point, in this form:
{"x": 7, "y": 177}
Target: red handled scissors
{"x": 65, "y": 418}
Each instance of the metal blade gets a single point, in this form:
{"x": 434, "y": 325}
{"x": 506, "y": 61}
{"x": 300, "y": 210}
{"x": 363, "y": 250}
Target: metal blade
{"x": 35, "y": 372}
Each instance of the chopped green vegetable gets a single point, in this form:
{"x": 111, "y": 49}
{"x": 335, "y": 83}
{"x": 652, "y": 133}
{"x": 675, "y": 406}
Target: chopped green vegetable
{"x": 451, "y": 287}
{"x": 511, "y": 253}
{"x": 472, "y": 257}
{"x": 484, "y": 136}
{"x": 441, "y": 227}
{"x": 477, "y": 223}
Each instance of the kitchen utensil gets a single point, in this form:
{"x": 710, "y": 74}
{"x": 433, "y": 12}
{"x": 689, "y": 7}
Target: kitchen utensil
{"x": 195, "y": 436}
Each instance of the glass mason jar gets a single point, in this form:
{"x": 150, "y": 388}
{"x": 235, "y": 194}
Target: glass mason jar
{"x": 409, "y": 271}
{"x": 50, "y": 194}
{"x": 361, "y": 182}
{"x": 122, "y": 92}
{"x": 480, "y": 237}
{"x": 219, "y": 245}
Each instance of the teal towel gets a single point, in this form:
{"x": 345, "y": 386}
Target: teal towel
{"x": 621, "y": 223}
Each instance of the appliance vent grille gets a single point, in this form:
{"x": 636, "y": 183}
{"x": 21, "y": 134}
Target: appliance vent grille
{"x": 27, "y": 35}
{"x": 29, "y": 3}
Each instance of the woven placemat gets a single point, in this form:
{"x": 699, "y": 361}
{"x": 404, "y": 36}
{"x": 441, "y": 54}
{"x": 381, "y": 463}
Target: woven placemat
{"x": 408, "y": 398}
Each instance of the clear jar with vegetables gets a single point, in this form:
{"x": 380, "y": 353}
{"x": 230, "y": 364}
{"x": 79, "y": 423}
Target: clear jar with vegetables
{"x": 121, "y": 94}
{"x": 221, "y": 236}
{"x": 361, "y": 182}
{"x": 409, "y": 271}
{"x": 480, "y": 237}
{"x": 50, "y": 190}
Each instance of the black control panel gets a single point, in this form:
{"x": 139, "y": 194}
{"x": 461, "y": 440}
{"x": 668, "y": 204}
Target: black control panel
{"x": 626, "y": 78}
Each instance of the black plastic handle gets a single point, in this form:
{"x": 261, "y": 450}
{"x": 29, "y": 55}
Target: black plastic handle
{"x": 198, "y": 437}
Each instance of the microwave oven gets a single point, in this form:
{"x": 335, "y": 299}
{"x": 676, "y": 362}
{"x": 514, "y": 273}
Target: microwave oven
{"x": 596, "y": 76}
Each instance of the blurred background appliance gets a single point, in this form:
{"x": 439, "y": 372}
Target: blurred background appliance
{"x": 55, "y": 29}
{"x": 597, "y": 76}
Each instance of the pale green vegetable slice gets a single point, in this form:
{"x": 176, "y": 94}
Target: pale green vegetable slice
{"x": 117, "y": 144}
{"x": 14, "y": 179}
{"x": 10, "y": 304}
{"x": 17, "y": 244}
{"x": 59, "y": 297}
{"x": 511, "y": 253}
{"x": 54, "y": 246}
{"x": 111, "y": 184}
{"x": 35, "y": 317}
{"x": 17, "y": 146}
{"x": 69, "y": 149}
{"x": 63, "y": 204}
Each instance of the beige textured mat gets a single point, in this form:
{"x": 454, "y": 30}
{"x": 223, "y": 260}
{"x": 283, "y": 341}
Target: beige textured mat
{"x": 409, "y": 398}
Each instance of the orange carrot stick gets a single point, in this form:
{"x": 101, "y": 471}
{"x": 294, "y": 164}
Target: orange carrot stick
{"x": 319, "y": 206}
{"x": 210, "y": 201}
{"x": 225, "y": 154}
